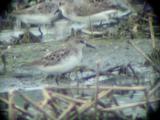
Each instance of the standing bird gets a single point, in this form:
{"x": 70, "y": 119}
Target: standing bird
{"x": 29, "y": 19}
{"x": 41, "y": 33}
{"x": 63, "y": 60}
{"x": 105, "y": 17}
{"x": 28, "y": 37}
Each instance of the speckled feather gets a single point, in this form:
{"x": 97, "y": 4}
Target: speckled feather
{"x": 54, "y": 57}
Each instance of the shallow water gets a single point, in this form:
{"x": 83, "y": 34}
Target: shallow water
{"x": 109, "y": 53}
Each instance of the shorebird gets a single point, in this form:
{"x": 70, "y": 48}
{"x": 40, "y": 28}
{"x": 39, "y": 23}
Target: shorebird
{"x": 38, "y": 14}
{"x": 63, "y": 60}
{"x": 29, "y": 36}
{"x": 36, "y": 19}
{"x": 106, "y": 17}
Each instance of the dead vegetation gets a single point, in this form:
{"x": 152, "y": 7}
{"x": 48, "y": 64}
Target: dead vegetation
{"x": 68, "y": 102}
{"x": 62, "y": 102}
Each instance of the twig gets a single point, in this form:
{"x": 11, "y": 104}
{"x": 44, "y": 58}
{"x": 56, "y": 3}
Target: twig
{"x": 109, "y": 72}
{"x": 11, "y": 112}
{"x": 65, "y": 112}
{"x": 146, "y": 98}
{"x": 47, "y": 101}
{"x": 153, "y": 90}
{"x": 46, "y": 97}
{"x": 90, "y": 103}
{"x": 115, "y": 108}
{"x": 53, "y": 101}
{"x": 27, "y": 99}
{"x": 17, "y": 108}
{"x": 152, "y": 31}
{"x": 145, "y": 56}
{"x": 70, "y": 99}
{"x": 140, "y": 51}
{"x": 90, "y": 22}
{"x": 94, "y": 33}
{"x": 119, "y": 113}
{"x": 134, "y": 73}
{"x": 96, "y": 90}
{"x": 100, "y": 87}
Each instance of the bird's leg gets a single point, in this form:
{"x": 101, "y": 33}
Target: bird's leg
{"x": 78, "y": 81}
{"x": 41, "y": 33}
{"x": 49, "y": 76}
{"x": 57, "y": 79}
{"x": 18, "y": 24}
{"x": 77, "y": 70}
{"x": 3, "y": 57}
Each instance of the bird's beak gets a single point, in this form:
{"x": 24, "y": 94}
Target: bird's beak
{"x": 87, "y": 44}
{"x": 59, "y": 14}
{"x": 57, "y": 11}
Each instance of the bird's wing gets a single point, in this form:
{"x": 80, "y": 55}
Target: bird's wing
{"x": 52, "y": 58}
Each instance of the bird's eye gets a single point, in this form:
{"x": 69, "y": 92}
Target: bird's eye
{"x": 81, "y": 41}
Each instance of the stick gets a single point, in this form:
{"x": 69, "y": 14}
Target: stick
{"x": 27, "y": 99}
{"x": 96, "y": 90}
{"x": 46, "y": 101}
{"x": 153, "y": 90}
{"x": 115, "y": 108}
{"x": 152, "y": 31}
{"x": 90, "y": 103}
{"x": 100, "y": 87}
{"x": 141, "y": 52}
{"x": 65, "y": 112}
{"x": 145, "y": 56}
{"x": 11, "y": 112}
{"x": 67, "y": 98}
{"x": 18, "y": 108}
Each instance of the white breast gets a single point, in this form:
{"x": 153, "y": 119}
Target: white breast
{"x": 35, "y": 19}
{"x": 64, "y": 66}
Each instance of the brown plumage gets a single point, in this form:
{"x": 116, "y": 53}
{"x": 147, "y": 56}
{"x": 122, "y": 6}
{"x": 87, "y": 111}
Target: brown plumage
{"x": 52, "y": 58}
{"x": 62, "y": 60}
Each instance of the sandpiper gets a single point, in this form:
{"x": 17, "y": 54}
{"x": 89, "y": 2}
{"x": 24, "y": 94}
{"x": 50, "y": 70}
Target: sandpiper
{"x": 69, "y": 12}
{"x": 105, "y": 17}
{"x": 36, "y": 19}
{"x": 63, "y": 60}
{"x": 28, "y": 36}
